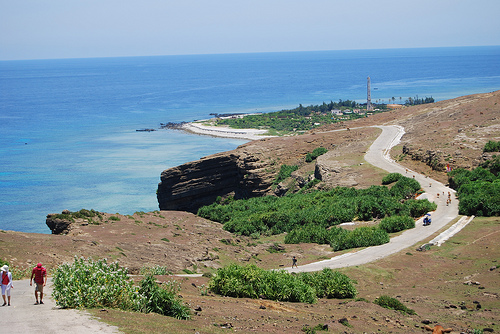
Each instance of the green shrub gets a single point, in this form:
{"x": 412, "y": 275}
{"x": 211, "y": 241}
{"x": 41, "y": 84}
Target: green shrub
{"x": 493, "y": 165}
{"x": 312, "y": 330}
{"x": 478, "y": 190}
{"x": 361, "y": 237}
{"x": 162, "y": 299}
{"x": 391, "y": 178}
{"x": 253, "y": 282}
{"x": 310, "y": 233}
{"x": 396, "y": 223}
{"x": 310, "y": 185}
{"x": 315, "y": 153}
{"x": 393, "y": 304}
{"x": 405, "y": 188}
{"x": 311, "y": 216}
{"x": 330, "y": 284}
{"x": 285, "y": 172}
{"x": 93, "y": 284}
{"x": 82, "y": 214}
{"x": 492, "y": 146}
{"x": 417, "y": 208}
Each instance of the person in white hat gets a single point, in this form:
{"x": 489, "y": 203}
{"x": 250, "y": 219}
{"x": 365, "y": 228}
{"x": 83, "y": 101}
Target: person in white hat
{"x": 6, "y": 284}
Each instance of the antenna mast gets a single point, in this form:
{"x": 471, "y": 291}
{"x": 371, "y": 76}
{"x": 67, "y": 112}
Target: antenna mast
{"x": 369, "y": 106}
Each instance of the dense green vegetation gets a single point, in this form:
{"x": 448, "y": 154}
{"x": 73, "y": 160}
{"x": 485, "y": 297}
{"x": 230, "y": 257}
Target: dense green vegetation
{"x": 298, "y": 119}
{"x": 310, "y": 157}
{"x": 396, "y": 223}
{"x": 90, "y": 215}
{"x": 492, "y": 146}
{"x": 393, "y": 304}
{"x": 391, "y": 178}
{"x": 253, "y": 282}
{"x": 302, "y": 118}
{"x": 415, "y": 101}
{"x": 285, "y": 172}
{"x": 338, "y": 238}
{"x": 478, "y": 190}
{"x": 163, "y": 300}
{"x": 311, "y": 217}
{"x": 94, "y": 284}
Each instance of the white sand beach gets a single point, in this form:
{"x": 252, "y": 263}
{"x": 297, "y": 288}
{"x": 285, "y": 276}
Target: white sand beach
{"x": 224, "y": 131}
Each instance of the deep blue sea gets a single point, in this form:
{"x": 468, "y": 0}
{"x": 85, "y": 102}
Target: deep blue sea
{"x": 67, "y": 126}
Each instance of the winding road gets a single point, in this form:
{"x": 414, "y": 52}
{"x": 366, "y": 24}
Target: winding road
{"x": 378, "y": 155}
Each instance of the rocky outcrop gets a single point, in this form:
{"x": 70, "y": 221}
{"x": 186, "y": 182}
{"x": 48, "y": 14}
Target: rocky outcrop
{"x": 59, "y": 223}
{"x": 432, "y": 158}
{"x": 64, "y": 222}
{"x": 236, "y": 173}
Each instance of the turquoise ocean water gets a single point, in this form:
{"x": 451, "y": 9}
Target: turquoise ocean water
{"x": 67, "y": 127}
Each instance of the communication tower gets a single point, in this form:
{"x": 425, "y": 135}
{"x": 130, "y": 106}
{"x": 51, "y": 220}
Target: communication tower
{"x": 369, "y": 106}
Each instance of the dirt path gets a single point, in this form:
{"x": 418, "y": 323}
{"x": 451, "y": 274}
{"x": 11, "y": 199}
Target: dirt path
{"x": 25, "y": 317}
{"x": 378, "y": 155}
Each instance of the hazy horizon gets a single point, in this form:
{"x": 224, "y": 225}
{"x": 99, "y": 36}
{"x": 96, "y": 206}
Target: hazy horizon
{"x": 59, "y": 29}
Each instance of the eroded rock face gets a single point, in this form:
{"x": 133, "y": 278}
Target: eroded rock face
{"x": 189, "y": 186}
{"x": 334, "y": 173}
{"x": 57, "y": 224}
{"x": 432, "y": 158}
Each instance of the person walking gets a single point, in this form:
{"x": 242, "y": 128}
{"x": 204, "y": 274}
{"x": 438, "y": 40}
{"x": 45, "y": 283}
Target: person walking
{"x": 40, "y": 275}
{"x": 6, "y": 284}
{"x": 294, "y": 262}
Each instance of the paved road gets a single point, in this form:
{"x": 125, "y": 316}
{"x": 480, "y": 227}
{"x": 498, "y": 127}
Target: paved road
{"x": 378, "y": 155}
{"x": 24, "y": 317}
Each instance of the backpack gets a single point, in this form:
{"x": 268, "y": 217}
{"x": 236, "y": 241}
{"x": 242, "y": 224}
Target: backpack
{"x": 5, "y": 278}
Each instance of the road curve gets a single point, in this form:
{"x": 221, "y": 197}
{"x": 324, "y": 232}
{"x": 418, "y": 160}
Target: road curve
{"x": 378, "y": 155}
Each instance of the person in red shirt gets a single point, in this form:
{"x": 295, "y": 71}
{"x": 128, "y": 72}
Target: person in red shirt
{"x": 6, "y": 284}
{"x": 40, "y": 274}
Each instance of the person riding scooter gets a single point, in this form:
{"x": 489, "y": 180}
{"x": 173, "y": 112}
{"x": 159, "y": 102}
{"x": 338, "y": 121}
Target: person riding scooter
{"x": 427, "y": 219}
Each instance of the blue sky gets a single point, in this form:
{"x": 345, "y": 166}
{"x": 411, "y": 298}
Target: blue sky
{"x": 38, "y": 29}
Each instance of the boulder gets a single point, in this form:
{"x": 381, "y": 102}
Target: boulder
{"x": 58, "y": 223}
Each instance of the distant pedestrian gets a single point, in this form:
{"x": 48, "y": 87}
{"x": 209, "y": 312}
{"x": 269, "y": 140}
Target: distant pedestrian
{"x": 40, "y": 275}
{"x": 294, "y": 262}
{"x": 6, "y": 285}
